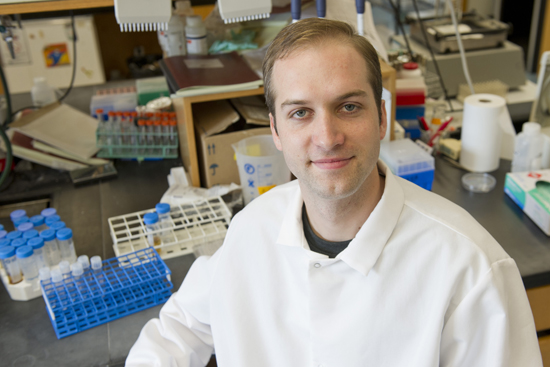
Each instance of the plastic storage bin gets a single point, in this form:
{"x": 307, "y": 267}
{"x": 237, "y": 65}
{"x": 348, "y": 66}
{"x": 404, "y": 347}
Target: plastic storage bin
{"x": 407, "y": 160}
{"x": 127, "y": 284}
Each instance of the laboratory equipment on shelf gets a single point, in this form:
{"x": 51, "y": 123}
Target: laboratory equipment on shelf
{"x": 142, "y": 15}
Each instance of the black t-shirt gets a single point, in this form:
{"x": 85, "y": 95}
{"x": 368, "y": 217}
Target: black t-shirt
{"x": 319, "y": 245}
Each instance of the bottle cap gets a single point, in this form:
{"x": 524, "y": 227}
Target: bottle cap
{"x": 410, "y": 66}
{"x": 24, "y": 252}
{"x": 17, "y": 222}
{"x": 5, "y": 242}
{"x": 23, "y": 227}
{"x": 84, "y": 261}
{"x": 56, "y": 275}
{"x": 194, "y": 20}
{"x": 48, "y": 234}
{"x": 64, "y": 234}
{"x": 3, "y": 234}
{"x": 150, "y": 218}
{"x": 18, "y": 242}
{"x": 162, "y": 208}
{"x": 30, "y": 234}
{"x": 96, "y": 262}
{"x": 56, "y": 226}
{"x": 531, "y": 128}
{"x": 1, "y": 227}
{"x": 64, "y": 267}
{"x": 48, "y": 212}
{"x": 37, "y": 220}
{"x": 76, "y": 269}
{"x": 52, "y": 219}
{"x": 6, "y": 252}
{"x": 17, "y": 214}
{"x": 44, "y": 274}
{"x": 36, "y": 243}
{"x": 14, "y": 234}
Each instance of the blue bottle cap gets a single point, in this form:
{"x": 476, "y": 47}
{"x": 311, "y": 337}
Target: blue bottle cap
{"x": 17, "y": 214}
{"x": 20, "y": 220}
{"x": 36, "y": 243}
{"x": 150, "y": 218}
{"x": 5, "y": 242}
{"x": 24, "y": 252}
{"x": 37, "y": 220}
{"x": 14, "y": 234}
{"x": 3, "y": 234}
{"x": 18, "y": 242}
{"x": 162, "y": 208}
{"x": 1, "y": 227}
{"x": 30, "y": 234}
{"x": 6, "y": 252}
{"x": 64, "y": 234}
{"x": 56, "y": 226}
{"x": 48, "y": 212}
{"x": 52, "y": 219}
{"x": 23, "y": 227}
{"x": 48, "y": 234}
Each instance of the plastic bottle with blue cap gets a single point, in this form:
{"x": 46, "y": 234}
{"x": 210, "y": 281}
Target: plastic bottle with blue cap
{"x": 27, "y": 263}
{"x": 66, "y": 244}
{"x": 51, "y": 248}
{"x": 32, "y": 233}
{"x": 3, "y": 234}
{"x": 153, "y": 230}
{"x": 1, "y": 227}
{"x": 14, "y": 235}
{"x": 165, "y": 222}
{"x": 10, "y": 264}
{"x": 25, "y": 226}
{"x": 18, "y": 242}
{"x": 56, "y": 226}
{"x": 16, "y": 214}
{"x": 48, "y": 212}
{"x": 37, "y": 244}
{"x": 38, "y": 222}
{"x": 5, "y": 242}
{"x": 52, "y": 219}
{"x": 17, "y": 222}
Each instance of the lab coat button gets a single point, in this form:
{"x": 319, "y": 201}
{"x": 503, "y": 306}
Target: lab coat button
{"x": 317, "y": 265}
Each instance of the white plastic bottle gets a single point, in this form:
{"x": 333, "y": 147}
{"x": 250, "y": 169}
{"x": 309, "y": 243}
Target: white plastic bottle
{"x": 528, "y": 148}
{"x": 42, "y": 93}
{"x": 175, "y": 36}
{"x": 195, "y": 32}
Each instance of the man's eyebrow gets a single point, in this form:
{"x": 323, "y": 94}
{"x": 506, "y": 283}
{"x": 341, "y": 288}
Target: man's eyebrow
{"x": 355, "y": 93}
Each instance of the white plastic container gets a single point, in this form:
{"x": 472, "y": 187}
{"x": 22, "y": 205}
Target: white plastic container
{"x": 175, "y": 42}
{"x": 51, "y": 248}
{"x": 195, "y": 33}
{"x": 42, "y": 93}
{"x": 66, "y": 245}
{"x": 261, "y": 166}
{"x": 528, "y": 148}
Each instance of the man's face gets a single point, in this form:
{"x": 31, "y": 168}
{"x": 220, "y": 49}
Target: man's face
{"x": 327, "y": 120}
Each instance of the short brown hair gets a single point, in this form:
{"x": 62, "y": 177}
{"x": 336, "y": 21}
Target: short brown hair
{"x": 312, "y": 32}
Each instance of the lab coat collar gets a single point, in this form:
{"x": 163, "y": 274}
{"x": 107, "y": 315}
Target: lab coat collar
{"x": 365, "y": 249}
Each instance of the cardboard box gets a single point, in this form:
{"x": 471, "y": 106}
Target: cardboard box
{"x": 531, "y": 191}
{"x": 215, "y": 130}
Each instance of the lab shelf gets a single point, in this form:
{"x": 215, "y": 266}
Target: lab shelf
{"x": 198, "y": 226}
{"x": 126, "y": 284}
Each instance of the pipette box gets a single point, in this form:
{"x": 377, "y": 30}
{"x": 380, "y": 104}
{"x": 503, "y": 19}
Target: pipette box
{"x": 531, "y": 192}
{"x": 127, "y": 284}
{"x": 409, "y": 161}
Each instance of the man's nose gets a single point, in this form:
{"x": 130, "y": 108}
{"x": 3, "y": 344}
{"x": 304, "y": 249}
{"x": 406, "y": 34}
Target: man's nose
{"x": 327, "y": 131}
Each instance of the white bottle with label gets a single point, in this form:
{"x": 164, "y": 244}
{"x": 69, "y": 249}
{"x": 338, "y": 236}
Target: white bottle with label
{"x": 528, "y": 148}
{"x": 42, "y": 93}
{"x": 175, "y": 36}
{"x": 195, "y": 32}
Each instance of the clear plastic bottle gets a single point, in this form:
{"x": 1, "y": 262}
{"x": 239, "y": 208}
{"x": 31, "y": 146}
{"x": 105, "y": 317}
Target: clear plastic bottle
{"x": 84, "y": 262}
{"x": 51, "y": 249}
{"x": 165, "y": 222}
{"x": 195, "y": 33}
{"x": 37, "y": 245}
{"x": 44, "y": 275}
{"x": 10, "y": 264}
{"x": 42, "y": 93}
{"x": 153, "y": 230}
{"x": 38, "y": 222}
{"x": 97, "y": 269}
{"x": 27, "y": 263}
{"x": 66, "y": 244}
{"x": 528, "y": 148}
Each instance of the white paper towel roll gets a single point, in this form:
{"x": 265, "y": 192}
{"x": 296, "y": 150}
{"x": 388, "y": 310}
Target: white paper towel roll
{"x": 485, "y": 120}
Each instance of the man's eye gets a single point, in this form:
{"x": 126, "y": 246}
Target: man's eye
{"x": 350, "y": 107}
{"x": 300, "y": 113}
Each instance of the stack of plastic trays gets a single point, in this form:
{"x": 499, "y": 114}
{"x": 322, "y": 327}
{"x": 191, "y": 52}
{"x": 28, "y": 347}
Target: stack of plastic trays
{"x": 126, "y": 284}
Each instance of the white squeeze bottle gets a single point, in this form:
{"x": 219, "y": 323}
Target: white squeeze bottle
{"x": 528, "y": 148}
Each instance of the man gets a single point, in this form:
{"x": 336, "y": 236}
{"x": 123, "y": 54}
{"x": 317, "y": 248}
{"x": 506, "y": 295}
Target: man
{"x": 348, "y": 265}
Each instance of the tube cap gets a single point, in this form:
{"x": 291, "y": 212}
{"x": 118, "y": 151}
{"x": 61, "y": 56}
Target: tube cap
{"x": 36, "y": 243}
{"x": 48, "y": 212}
{"x": 76, "y": 269}
{"x": 17, "y": 222}
{"x": 30, "y": 234}
{"x": 162, "y": 208}
{"x": 96, "y": 262}
{"x": 531, "y": 128}
{"x": 25, "y": 226}
{"x": 44, "y": 274}
{"x": 14, "y": 234}
{"x": 1, "y": 227}
{"x": 56, "y": 226}
{"x": 150, "y": 218}
{"x": 56, "y": 275}
{"x": 64, "y": 267}
{"x": 18, "y": 242}
{"x": 37, "y": 220}
{"x": 3, "y": 234}
{"x": 24, "y": 251}
{"x": 52, "y": 219}
{"x": 6, "y": 252}
{"x": 5, "y": 242}
{"x": 17, "y": 214}
{"x": 48, "y": 234}
{"x": 64, "y": 234}
{"x": 84, "y": 261}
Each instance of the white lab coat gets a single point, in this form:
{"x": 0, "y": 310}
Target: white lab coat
{"x": 421, "y": 285}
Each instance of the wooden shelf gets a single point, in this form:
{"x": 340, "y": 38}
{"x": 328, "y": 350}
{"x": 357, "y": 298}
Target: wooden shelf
{"x": 46, "y": 6}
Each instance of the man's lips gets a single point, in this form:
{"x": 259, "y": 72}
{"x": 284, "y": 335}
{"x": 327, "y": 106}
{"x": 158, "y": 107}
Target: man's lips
{"x": 331, "y": 163}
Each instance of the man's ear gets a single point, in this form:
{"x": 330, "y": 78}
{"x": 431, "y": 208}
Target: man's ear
{"x": 274, "y": 133}
{"x": 383, "y": 120}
